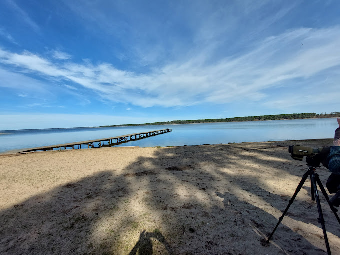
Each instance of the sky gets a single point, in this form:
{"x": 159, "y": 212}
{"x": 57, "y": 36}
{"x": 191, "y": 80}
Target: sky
{"x": 100, "y": 62}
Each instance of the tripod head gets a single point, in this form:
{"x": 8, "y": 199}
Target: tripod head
{"x": 313, "y": 162}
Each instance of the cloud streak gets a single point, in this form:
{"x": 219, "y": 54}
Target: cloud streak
{"x": 6, "y": 35}
{"x": 60, "y": 55}
{"x": 22, "y": 15}
{"x": 276, "y": 61}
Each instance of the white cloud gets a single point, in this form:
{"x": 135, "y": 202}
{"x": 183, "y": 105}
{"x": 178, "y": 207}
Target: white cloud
{"x": 31, "y": 62}
{"x": 60, "y": 55}
{"x": 20, "y": 82}
{"x": 274, "y": 62}
{"x": 70, "y": 87}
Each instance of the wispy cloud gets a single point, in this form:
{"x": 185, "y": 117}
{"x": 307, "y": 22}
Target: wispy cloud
{"x": 153, "y": 32}
{"x": 5, "y": 34}
{"x": 21, "y": 82}
{"x": 277, "y": 61}
{"x": 60, "y": 55}
{"x": 23, "y": 16}
{"x": 70, "y": 87}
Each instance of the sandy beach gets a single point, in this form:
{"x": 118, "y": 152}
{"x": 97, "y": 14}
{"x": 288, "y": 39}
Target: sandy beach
{"x": 209, "y": 199}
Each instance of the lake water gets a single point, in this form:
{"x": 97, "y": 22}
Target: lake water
{"x": 187, "y": 134}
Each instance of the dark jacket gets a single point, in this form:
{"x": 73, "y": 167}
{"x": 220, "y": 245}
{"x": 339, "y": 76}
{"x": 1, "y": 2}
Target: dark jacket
{"x": 337, "y": 136}
{"x": 334, "y": 159}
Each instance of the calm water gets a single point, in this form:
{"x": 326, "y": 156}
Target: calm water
{"x": 188, "y": 134}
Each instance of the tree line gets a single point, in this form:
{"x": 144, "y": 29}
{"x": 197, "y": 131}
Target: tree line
{"x": 291, "y": 116}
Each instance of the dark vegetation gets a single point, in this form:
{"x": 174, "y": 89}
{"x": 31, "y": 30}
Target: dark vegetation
{"x": 247, "y": 118}
{"x": 290, "y": 116}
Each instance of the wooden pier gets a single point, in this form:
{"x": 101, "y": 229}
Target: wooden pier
{"x": 98, "y": 143}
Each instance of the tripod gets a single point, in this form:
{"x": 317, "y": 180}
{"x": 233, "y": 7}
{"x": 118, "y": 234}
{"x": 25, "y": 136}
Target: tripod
{"x": 314, "y": 178}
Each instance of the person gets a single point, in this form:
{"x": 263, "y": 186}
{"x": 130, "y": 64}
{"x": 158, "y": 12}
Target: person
{"x": 333, "y": 164}
{"x": 336, "y": 141}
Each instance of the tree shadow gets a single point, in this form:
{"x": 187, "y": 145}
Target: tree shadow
{"x": 218, "y": 199}
{"x": 185, "y": 196}
{"x": 63, "y": 220}
{"x": 260, "y": 225}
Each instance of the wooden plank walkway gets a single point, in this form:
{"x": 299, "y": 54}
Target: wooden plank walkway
{"x": 98, "y": 143}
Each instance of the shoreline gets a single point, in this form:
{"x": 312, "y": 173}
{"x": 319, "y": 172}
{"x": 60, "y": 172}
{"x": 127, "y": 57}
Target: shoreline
{"x": 163, "y": 124}
{"x": 323, "y": 141}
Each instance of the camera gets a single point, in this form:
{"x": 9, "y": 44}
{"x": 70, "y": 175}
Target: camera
{"x": 298, "y": 152}
{"x": 314, "y": 156}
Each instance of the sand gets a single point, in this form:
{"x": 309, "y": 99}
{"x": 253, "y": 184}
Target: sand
{"x": 209, "y": 199}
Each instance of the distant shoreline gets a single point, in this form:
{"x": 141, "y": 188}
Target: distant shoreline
{"x": 261, "y": 118}
{"x": 292, "y": 116}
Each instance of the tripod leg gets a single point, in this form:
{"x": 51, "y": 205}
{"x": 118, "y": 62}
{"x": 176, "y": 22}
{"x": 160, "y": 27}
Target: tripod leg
{"x": 334, "y": 210}
{"x": 320, "y": 219}
{"x": 304, "y": 177}
{"x": 312, "y": 189}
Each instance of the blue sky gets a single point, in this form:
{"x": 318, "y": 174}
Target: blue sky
{"x": 89, "y": 63}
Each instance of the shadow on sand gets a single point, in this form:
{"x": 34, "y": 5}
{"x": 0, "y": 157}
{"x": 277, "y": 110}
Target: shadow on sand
{"x": 181, "y": 200}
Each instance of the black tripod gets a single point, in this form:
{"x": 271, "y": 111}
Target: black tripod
{"x": 314, "y": 178}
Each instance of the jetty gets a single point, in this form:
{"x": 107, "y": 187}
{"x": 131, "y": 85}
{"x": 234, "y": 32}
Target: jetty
{"x": 98, "y": 143}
